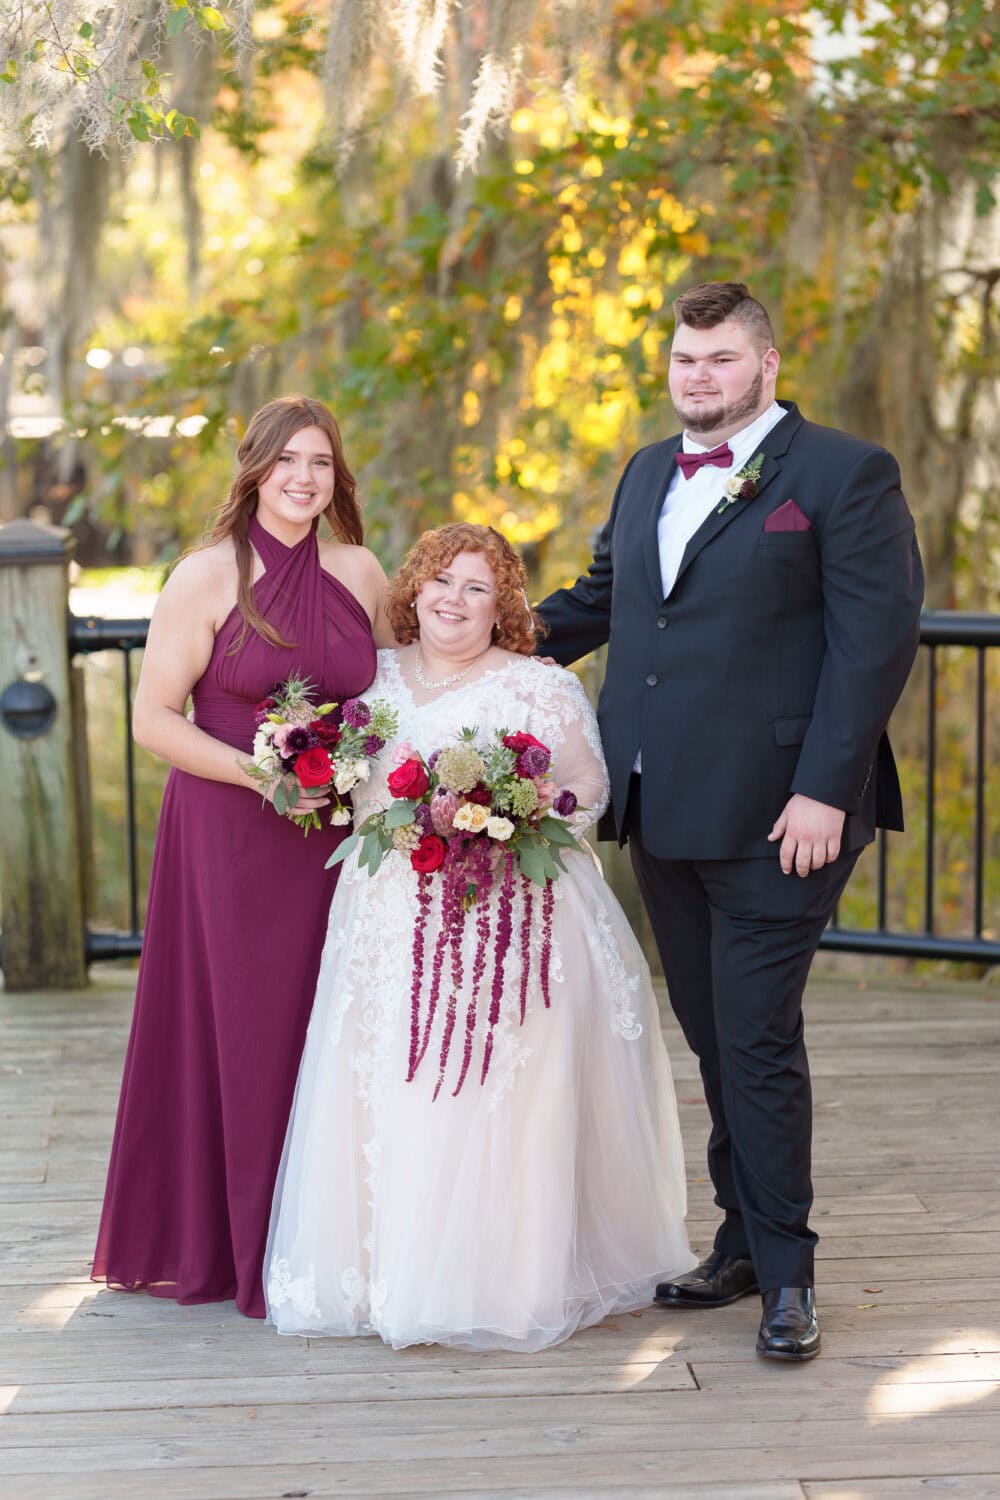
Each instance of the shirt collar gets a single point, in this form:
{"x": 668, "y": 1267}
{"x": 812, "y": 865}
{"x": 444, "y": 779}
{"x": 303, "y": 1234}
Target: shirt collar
{"x": 747, "y": 437}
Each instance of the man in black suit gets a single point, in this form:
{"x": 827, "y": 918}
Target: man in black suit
{"x": 759, "y": 586}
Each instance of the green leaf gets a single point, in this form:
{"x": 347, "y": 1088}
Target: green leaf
{"x": 75, "y": 511}
{"x": 532, "y": 861}
{"x": 557, "y": 832}
{"x": 208, "y": 18}
{"x": 985, "y": 201}
{"x": 280, "y": 796}
{"x": 86, "y": 31}
{"x": 342, "y": 851}
{"x": 177, "y": 21}
{"x": 293, "y": 794}
{"x": 400, "y": 813}
{"x": 138, "y": 127}
{"x": 373, "y": 851}
{"x": 149, "y": 71}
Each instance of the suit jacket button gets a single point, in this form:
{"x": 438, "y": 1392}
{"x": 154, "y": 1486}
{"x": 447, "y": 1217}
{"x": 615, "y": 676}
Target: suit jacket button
{"x": 661, "y": 622}
{"x": 651, "y": 680}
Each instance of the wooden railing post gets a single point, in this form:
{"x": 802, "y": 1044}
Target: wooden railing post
{"x": 42, "y": 902}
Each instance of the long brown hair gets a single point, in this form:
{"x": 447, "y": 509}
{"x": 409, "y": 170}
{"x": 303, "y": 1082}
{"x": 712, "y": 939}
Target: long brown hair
{"x": 265, "y": 440}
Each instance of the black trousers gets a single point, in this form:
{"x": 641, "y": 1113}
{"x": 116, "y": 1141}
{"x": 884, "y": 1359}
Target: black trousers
{"x": 736, "y": 939}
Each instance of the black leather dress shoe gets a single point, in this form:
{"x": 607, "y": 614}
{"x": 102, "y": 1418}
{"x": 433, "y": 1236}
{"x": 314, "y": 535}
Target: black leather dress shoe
{"x": 788, "y": 1329}
{"x": 719, "y": 1280}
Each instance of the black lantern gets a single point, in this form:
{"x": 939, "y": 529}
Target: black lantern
{"x": 27, "y": 709}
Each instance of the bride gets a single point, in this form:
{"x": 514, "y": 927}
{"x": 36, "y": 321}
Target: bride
{"x": 551, "y": 1193}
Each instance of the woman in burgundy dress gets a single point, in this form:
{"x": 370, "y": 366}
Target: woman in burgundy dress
{"x": 238, "y": 897}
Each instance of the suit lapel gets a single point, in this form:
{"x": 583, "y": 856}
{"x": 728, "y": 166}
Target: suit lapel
{"x": 774, "y": 447}
{"x": 650, "y": 521}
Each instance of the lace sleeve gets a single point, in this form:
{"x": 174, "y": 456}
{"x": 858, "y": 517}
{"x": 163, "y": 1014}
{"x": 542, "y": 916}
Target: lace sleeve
{"x": 575, "y": 740}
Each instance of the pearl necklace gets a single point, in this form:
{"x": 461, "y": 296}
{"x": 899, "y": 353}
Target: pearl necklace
{"x": 443, "y": 682}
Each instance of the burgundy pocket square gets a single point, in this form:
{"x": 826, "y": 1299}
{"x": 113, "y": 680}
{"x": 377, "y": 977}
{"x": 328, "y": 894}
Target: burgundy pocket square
{"x": 787, "y": 517}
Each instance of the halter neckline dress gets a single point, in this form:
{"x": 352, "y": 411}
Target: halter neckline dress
{"x": 235, "y": 924}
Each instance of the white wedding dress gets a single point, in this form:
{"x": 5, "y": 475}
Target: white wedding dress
{"x": 532, "y": 1204}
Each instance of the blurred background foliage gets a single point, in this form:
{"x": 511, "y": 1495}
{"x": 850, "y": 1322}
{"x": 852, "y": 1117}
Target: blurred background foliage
{"x": 494, "y": 341}
{"x": 462, "y": 227}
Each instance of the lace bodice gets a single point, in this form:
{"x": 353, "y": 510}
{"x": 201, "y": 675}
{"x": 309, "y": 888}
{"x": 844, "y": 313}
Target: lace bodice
{"x": 523, "y": 694}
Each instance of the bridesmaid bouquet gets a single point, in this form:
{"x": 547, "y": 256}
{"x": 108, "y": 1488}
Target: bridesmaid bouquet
{"x": 321, "y": 748}
{"x": 473, "y": 816}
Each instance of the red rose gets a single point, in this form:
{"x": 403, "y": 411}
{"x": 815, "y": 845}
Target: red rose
{"x": 313, "y": 767}
{"x": 327, "y": 734}
{"x": 429, "y": 854}
{"x": 409, "y": 780}
{"x": 480, "y": 794}
{"x": 521, "y": 741}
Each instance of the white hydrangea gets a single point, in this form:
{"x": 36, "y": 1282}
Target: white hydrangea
{"x": 346, "y": 778}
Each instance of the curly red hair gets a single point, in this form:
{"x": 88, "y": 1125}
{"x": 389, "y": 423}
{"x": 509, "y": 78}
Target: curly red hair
{"x": 517, "y": 628}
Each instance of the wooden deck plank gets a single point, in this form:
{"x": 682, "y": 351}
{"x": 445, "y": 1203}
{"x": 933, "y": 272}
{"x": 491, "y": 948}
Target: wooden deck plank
{"x": 954, "y": 1486}
{"x": 108, "y": 1394}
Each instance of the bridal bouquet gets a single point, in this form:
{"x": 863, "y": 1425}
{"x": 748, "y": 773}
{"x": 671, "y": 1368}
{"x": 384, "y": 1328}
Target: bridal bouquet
{"x": 323, "y": 749}
{"x": 473, "y": 816}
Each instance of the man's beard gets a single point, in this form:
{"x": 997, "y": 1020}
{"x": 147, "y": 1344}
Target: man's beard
{"x": 709, "y": 419}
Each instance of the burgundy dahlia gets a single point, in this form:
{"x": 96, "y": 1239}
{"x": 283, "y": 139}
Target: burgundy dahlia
{"x": 297, "y": 740}
{"x": 565, "y": 803}
{"x": 373, "y": 744}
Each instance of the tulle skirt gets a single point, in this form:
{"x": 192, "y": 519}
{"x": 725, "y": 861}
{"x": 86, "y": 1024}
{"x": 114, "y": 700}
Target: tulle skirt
{"x": 530, "y": 1205}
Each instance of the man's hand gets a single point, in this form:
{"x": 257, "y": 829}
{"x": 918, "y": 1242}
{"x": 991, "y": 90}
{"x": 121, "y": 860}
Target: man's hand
{"x": 809, "y": 832}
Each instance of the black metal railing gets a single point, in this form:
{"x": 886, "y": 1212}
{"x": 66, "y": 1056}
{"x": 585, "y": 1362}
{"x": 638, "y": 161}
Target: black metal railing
{"x": 87, "y": 635}
{"x": 939, "y": 629}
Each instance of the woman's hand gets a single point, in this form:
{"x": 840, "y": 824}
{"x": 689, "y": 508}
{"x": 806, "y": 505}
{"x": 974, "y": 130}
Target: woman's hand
{"x": 306, "y": 803}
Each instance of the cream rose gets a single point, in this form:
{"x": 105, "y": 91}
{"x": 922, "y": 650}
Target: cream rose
{"x": 499, "y": 828}
{"x": 471, "y": 817}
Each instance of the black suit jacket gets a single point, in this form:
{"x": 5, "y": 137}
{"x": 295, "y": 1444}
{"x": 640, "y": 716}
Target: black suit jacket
{"x": 774, "y": 664}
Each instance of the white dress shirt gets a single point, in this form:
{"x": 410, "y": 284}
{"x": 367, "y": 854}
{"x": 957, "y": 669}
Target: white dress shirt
{"x": 689, "y": 502}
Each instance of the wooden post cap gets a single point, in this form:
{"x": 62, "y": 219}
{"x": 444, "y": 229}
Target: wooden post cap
{"x": 34, "y": 542}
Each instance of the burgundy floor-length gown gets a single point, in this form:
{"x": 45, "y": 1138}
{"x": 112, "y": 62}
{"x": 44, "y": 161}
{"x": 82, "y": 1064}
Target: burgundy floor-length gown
{"x": 237, "y": 915}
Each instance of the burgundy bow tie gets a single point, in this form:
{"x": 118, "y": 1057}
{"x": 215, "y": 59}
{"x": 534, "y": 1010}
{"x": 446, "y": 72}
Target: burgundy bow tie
{"x": 690, "y": 463}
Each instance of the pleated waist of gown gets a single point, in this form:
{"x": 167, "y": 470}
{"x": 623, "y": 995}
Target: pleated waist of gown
{"x": 232, "y": 720}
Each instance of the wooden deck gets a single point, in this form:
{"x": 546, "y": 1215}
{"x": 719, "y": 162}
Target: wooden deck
{"x": 109, "y": 1395}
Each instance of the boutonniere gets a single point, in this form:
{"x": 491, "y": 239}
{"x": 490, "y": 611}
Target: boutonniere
{"x": 744, "y": 485}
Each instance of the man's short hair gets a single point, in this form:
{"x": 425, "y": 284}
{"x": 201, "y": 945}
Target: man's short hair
{"x": 711, "y": 303}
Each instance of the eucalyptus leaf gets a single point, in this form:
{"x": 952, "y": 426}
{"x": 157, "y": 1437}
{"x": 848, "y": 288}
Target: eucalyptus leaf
{"x": 557, "y": 832}
{"x": 400, "y": 813}
{"x": 531, "y": 859}
{"x": 342, "y": 851}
